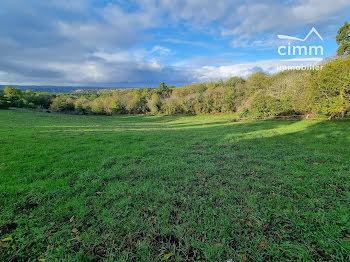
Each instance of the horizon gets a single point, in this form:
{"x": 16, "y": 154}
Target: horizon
{"x": 114, "y": 44}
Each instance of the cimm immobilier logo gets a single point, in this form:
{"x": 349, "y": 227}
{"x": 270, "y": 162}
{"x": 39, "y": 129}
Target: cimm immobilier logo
{"x": 300, "y": 57}
{"x": 300, "y": 50}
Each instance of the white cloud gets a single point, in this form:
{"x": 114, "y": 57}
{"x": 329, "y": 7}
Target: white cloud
{"x": 75, "y": 42}
{"x": 119, "y": 57}
{"x": 211, "y": 73}
{"x": 256, "y": 17}
{"x": 314, "y": 11}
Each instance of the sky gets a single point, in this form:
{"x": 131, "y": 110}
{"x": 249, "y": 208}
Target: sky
{"x": 140, "y": 43}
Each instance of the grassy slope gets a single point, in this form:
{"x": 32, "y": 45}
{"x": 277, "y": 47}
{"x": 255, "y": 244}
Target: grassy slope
{"x": 202, "y": 188}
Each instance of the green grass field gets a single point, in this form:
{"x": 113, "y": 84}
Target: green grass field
{"x": 180, "y": 188}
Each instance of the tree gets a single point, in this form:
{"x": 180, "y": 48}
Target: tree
{"x": 332, "y": 88}
{"x": 43, "y": 99}
{"x": 162, "y": 87}
{"x": 256, "y": 82}
{"x": 3, "y": 101}
{"x": 163, "y": 90}
{"x": 343, "y": 39}
{"x": 98, "y": 106}
{"x": 262, "y": 104}
{"x": 82, "y": 105}
{"x": 155, "y": 103}
{"x": 62, "y": 103}
{"x": 116, "y": 106}
{"x": 233, "y": 81}
{"x": 2, "y": 94}
{"x": 189, "y": 103}
{"x": 13, "y": 92}
{"x": 13, "y": 95}
{"x": 172, "y": 106}
{"x": 230, "y": 100}
{"x": 136, "y": 103}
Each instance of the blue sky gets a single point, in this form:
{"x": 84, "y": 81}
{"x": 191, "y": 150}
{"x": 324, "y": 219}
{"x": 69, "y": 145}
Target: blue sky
{"x": 137, "y": 43}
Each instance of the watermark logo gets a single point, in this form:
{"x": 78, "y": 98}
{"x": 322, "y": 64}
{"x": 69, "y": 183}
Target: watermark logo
{"x": 307, "y": 56}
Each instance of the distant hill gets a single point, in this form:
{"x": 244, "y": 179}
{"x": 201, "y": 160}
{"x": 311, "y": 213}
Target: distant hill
{"x": 67, "y": 89}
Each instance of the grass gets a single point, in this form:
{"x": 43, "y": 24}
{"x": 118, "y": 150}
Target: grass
{"x": 201, "y": 188}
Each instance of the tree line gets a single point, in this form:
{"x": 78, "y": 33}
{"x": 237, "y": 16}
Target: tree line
{"x": 325, "y": 91}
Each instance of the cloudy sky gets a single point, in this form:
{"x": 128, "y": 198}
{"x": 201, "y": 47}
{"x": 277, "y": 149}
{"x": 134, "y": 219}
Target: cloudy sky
{"x": 117, "y": 43}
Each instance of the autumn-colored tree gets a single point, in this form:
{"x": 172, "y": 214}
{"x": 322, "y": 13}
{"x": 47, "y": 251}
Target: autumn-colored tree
{"x": 13, "y": 95}
{"x": 332, "y": 88}
{"x": 155, "y": 103}
{"x": 343, "y": 39}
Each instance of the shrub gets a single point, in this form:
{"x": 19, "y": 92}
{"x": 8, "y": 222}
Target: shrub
{"x": 82, "y": 105}
{"x": 155, "y": 103}
{"x": 62, "y": 103}
{"x": 256, "y": 82}
{"x": 14, "y": 96}
{"x": 331, "y": 88}
{"x": 265, "y": 105}
{"x": 137, "y": 104}
{"x": 98, "y": 106}
{"x": 116, "y": 106}
{"x": 3, "y": 101}
{"x": 43, "y": 99}
{"x": 172, "y": 106}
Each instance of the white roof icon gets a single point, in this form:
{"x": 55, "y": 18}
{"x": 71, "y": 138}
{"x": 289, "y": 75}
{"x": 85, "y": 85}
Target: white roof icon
{"x": 313, "y": 30}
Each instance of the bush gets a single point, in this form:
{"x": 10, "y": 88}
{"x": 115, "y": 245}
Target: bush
{"x": 137, "y": 104}
{"x": 43, "y": 99}
{"x": 14, "y": 96}
{"x": 155, "y": 104}
{"x": 62, "y": 103}
{"x": 82, "y": 105}
{"x": 265, "y": 105}
{"x": 256, "y": 82}
{"x": 331, "y": 88}
{"x": 98, "y": 106}
{"x": 116, "y": 106}
{"x": 172, "y": 106}
{"x": 3, "y": 101}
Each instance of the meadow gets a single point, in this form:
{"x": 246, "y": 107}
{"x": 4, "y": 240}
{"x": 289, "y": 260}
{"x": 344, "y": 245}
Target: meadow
{"x": 173, "y": 188}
